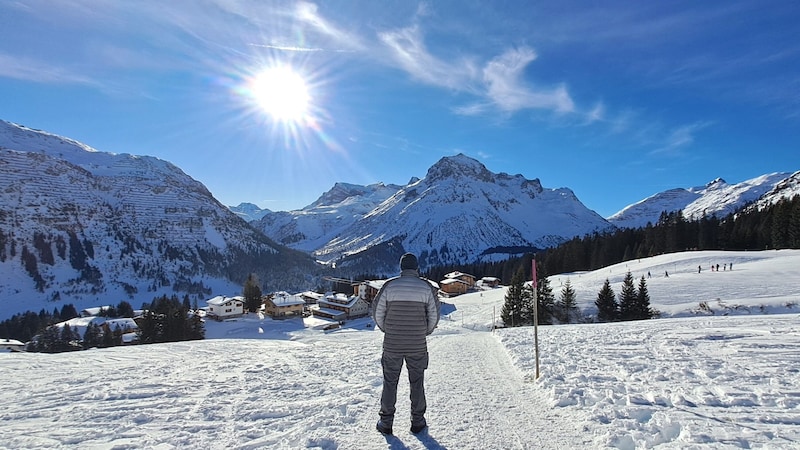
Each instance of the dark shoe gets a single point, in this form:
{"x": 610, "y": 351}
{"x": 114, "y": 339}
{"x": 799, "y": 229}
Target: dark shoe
{"x": 417, "y": 428}
{"x": 383, "y": 428}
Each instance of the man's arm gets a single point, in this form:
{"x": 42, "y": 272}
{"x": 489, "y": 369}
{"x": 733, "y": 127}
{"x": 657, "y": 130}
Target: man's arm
{"x": 379, "y": 309}
{"x": 433, "y": 310}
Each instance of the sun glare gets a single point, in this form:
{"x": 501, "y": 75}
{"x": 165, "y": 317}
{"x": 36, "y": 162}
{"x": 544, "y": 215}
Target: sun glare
{"x": 282, "y": 93}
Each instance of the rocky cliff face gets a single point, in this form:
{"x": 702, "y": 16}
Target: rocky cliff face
{"x": 87, "y": 227}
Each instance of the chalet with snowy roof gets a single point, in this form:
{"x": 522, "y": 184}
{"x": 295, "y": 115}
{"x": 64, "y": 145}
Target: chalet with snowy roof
{"x": 310, "y": 297}
{"x": 221, "y": 307}
{"x": 465, "y": 277}
{"x": 453, "y": 286}
{"x": 125, "y": 326}
{"x": 367, "y": 290}
{"x": 457, "y": 283}
{"x": 340, "y": 306}
{"x": 11, "y": 345}
{"x": 281, "y": 305}
{"x": 489, "y": 282}
{"x": 92, "y": 312}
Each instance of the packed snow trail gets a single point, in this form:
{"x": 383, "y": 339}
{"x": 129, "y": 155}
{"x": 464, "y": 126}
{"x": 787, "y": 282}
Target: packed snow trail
{"x": 480, "y": 398}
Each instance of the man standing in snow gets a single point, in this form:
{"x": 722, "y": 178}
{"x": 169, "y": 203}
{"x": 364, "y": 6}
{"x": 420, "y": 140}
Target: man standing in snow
{"x": 406, "y": 309}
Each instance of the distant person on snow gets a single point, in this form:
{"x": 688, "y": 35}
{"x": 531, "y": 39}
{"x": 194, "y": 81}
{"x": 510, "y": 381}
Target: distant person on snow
{"x": 406, "y": 309}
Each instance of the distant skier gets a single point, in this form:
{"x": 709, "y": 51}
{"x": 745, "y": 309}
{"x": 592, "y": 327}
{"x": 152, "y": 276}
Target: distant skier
{"x": 406, "y": 309}
{"x": 699, "y": 269}
{"x": 666, "y": 274}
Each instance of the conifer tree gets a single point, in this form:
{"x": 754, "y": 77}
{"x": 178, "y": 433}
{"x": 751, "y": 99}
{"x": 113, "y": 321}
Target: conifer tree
{"x": 196, "y": 328}
{"x": 607, "y": 307}
{"x": 512, "y": 312}
{"x": 107, "y": 337}
{"x": 643, "y": 310}
{"x": 567, "y": 304}
{"x": 68, "y": 311}
{"x": 91, "y": 338}
{"x": 48, "y": 341}
{"x": 124, "y": 309}
{"x": 117, "y": 335}
{"x": 252, "y": 293}
{"x": 627, "y": 299}
{"x": 546, "y": 300}
{"x": 66, "y": 337}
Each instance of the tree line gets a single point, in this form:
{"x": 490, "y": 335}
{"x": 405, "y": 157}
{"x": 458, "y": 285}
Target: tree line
{"x": 518, "y": 306}
{"x": 166, "y": 319}
{"x": 774, "y": 227}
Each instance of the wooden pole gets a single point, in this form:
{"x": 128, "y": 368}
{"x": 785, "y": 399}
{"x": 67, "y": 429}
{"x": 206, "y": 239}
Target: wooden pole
{"x": 535, "y": 316}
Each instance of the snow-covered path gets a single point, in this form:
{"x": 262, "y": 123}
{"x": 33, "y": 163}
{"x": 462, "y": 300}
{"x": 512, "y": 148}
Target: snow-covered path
{"x": 506, "y": 412}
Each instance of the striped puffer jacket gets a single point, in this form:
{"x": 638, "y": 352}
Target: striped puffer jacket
{"x": 406, "y": 309}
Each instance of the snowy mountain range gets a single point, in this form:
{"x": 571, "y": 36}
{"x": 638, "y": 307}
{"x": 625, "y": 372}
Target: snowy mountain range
{"x": 459, "y": 212}
{"x": 88, "y": 227}
{"x": 715, "y": 198}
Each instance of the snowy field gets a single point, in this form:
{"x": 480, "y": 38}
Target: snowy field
{"x": 724, "y": 378}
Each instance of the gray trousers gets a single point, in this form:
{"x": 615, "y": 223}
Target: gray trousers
{"x": 416, "y": 364}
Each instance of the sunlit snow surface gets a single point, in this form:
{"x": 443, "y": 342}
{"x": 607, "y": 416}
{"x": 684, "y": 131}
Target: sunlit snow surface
{"x": 688, "y": 381}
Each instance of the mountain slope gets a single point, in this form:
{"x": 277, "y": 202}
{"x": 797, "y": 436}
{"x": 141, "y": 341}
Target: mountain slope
{"x": 785, "y": 189}
{"x": 249, "y": 212}
{"x": 716, "y": 198}
{"x": 82, "y": 226}
{"x": 459, "y": 212}
{"x": 325, "y": 219}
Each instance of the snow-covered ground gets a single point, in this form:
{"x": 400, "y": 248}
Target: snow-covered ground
{"x": 707, "y": 381}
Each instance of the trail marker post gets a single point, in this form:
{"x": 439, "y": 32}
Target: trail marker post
{"x": 535, "y": 315}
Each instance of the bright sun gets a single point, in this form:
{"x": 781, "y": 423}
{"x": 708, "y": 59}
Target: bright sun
{"x": 282, "y": 93}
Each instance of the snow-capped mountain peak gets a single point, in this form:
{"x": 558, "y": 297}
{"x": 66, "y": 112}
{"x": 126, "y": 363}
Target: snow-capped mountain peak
{"x": 460, "y": 211}
{"x": 715, "y": 198}
{"x": 716, "y": 184}
{"x": 458, "y": 166}
{"x": 249, "y": 211}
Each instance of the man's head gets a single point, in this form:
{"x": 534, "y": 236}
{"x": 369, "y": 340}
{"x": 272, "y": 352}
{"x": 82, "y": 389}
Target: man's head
{"x": 408, "y": 261}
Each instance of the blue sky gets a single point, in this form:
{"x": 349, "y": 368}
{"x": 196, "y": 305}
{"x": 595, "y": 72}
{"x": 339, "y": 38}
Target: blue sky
{"x": 615, "y": 100}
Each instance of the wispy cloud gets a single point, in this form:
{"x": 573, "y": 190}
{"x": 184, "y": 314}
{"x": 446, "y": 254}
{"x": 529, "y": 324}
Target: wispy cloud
{"x": 308, "y": 13}
{"x": 30, "y": 69}
{"x": 506, "y": 89}
{"x": 288, "y": 48}
{"x": 499, "y": 84}
{"x": 408, "y": 50}
{"x": 679, "y": 138}
{"x": 596, "y": 114}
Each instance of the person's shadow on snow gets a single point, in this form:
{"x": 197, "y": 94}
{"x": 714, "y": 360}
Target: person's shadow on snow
{"x": 425, "y": 439}
{"x": 394, "y": 442}
{"x": 429, "y": 441}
